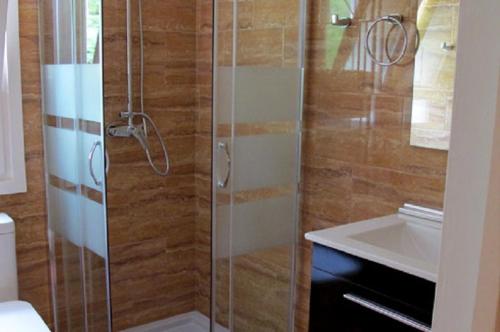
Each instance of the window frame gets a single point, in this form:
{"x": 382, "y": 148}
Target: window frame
{"x": 12, "y": 158}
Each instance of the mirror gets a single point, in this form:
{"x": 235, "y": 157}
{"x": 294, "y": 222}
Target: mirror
{"x": 434, "y": 77}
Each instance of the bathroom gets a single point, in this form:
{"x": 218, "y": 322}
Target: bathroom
{"x": 190, "y": 165}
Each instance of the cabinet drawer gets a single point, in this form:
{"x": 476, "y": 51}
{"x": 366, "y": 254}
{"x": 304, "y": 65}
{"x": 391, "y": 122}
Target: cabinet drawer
{"x": 405, "y": 288}
{"x": 335, "y": 306}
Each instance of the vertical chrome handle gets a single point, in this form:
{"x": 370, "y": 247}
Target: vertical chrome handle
{"x": 91, "y": 159}
{"x": 106, "y": 155}
{"x": 222, "y": 146}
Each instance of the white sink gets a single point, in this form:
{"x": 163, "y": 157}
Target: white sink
{"x": 405, "y": 243}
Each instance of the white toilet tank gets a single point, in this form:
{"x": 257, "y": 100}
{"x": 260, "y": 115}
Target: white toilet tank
{"x": 8, "y": 266}
{"x": 15, "y": 315}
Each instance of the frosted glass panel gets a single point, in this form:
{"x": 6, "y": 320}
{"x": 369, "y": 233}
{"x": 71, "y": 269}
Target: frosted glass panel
{"x": 81, "y": 222}
{"x": 255, "y": 225}
{"x": 263, "y": 224}
{"x": 264, "y": 161}
{"x": 60, "y": 90}
{"x": 70, "y": 36}
{"x": 72, "y": 89}
{"x": 64, "y": 215}
{"x": 267, "y": 94}
{"x": 224, "y": 97}
{"x": 260, "y": 94}
{"x": 223, "y": 231}
{"x": 91, "y": 93}
{"x": 62, "y": 154}
{"x": 94, "y": 227}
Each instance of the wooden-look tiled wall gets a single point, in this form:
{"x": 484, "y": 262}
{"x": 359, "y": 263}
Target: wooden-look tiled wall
{"x": 357, "y": 161}
{"x": 159, "y": 227}
{"x": 151, "y": 218}
{"x": 267, "y": 33}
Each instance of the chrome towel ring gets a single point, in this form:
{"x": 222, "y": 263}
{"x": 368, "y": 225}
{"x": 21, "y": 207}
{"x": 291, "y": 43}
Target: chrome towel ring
{"x": 396, "y": 20}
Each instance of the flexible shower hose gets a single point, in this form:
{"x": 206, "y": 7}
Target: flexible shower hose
{"x": 143, "y": 141}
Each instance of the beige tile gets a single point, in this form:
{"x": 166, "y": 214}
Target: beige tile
{"x": 262, "y": 47}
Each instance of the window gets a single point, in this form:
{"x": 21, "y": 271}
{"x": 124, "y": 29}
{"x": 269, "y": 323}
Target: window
{"x": 12, "y": 165}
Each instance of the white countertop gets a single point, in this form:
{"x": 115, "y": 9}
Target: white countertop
{"x": 404, "y": 243}
{"x": 19, "y": 316}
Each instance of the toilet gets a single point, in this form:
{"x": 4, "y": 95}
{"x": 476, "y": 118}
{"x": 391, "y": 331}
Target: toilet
{"x": 15, "y": 316}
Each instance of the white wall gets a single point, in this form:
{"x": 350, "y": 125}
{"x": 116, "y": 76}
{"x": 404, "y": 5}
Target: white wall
{"x": 489, "y": 269}
{"x": 468, "y": 285}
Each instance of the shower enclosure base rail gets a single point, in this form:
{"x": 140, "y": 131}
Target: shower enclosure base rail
{"x": 193, "y": 321}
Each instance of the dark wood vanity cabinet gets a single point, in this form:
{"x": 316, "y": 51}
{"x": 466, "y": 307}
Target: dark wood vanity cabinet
{"x": 351, "y": 294}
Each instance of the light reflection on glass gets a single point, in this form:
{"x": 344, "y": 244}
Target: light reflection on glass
{"x": 434, "y": 74}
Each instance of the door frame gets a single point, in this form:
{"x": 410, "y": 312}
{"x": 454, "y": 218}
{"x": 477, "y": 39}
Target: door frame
{"x": 467, "y": 296}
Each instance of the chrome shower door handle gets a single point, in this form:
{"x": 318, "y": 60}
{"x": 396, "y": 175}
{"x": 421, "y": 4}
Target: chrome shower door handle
{"x": 90, "y": 161}
{"x": 106, "y": 155}
{"x": 223, "y": 147}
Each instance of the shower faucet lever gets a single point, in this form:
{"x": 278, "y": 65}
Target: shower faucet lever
{"x": 125, "y": 115}
{"x": 119, "y": 130}
{"x": 139, "y": 133}
{"x": 130, "y": 131}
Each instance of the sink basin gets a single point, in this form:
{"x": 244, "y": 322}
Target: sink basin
{"x": 407, "y": 239}
{"x": 405, "y": 243}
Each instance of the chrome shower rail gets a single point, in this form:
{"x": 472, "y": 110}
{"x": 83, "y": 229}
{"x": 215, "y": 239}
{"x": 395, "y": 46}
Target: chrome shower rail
{"x": 139, "y": 132}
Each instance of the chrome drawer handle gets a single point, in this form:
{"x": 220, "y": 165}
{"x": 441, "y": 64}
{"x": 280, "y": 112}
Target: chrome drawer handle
{"x": 387, "y": 312}
{"x": 222, "y": 146}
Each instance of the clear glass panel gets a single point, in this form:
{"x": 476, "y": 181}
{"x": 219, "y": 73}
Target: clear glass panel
{"x": 221, "y": 198}
{"x": 75, "y": 163}
{"x": 257, "y": 125}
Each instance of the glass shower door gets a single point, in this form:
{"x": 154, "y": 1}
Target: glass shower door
{"x": 71, "y": 69}
{"x": 257, "y": 124}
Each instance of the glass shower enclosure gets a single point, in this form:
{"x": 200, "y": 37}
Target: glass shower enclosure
{"x": 71, "y": 70}
{"x": 258, "y": 60}
{"x": 258, "y": 87}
